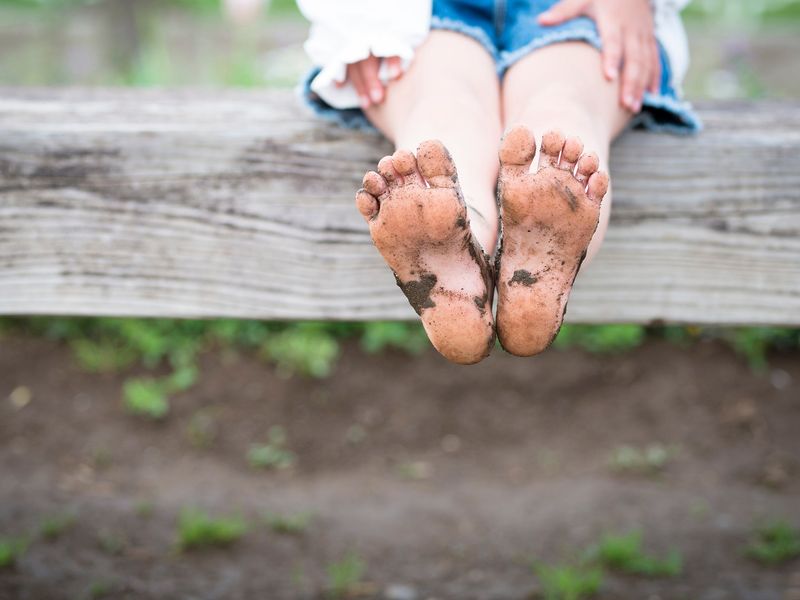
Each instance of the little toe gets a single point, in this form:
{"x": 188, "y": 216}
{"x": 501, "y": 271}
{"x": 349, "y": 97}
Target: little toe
{"x": 405, "y": 164}
{"x": 436, "y": 165}
{"x": 570, "y": 154}
{"x": 387, "y": 171}
{"x": 552, "y": 144}
{"x": 374, "y": 184}
{"x": 598, "y": 186}
{"x": 517, "y": 150}
{"x": 587, "y": 165}
{"x": 367, "y": 204}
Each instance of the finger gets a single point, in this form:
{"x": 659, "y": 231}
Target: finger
{"x": 354, "y": 75}
{"x": 394, "y": 66}
{"x": 611, "y": 37}
{"x": 369, "y": 71}
{"x": 655, "y": 81}
{"x": 632, "y": 74}
{"x": 563, "y": 11}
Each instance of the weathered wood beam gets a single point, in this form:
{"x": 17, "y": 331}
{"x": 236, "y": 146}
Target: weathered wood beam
{"x": 224, "y": 203}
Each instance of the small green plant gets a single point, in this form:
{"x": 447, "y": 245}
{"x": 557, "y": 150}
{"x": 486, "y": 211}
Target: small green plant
{"x": 624, "y": 553}
{"x": 307, "y": 348}
{"x": 144, "y": 509}
{"x": 104, "y": 356}
{"x": 146, "y": 396}
{"x": 560, "y": 582}
{"x": 294, "y": 524}
{"x": 408, "y": 337}
{"x": 202, "y": 429}
{"x": 345, "y": 575}
{"x": 196, "y": 529}
{"x": 99, "y": 589}
{"x": 54, "y": 526}
{"x": 11, "y": 550}
{"x": 112, "y": 542}
{"x": 272, "y": 455}
{"x": 644, "y": 461}
{"x": 775, "y": 543}
{"x": 149, "y": 397}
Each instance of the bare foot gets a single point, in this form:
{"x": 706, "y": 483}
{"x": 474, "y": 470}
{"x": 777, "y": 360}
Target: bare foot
{"x": 548, "y": 219}
{"x": 419, "y": 223}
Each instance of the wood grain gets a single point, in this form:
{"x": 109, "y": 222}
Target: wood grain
{"x": 224, "y": 203}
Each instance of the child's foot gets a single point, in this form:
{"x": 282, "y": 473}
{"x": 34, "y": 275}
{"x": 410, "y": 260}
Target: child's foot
{"x": 419, "y": 223}
{"x": 548, "y": 219}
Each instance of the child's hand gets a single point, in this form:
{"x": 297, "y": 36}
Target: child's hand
{"x": 627, "y": 33}
{"x": 364, "y": 77}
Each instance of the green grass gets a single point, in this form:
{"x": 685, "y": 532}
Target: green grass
{"x": 53, "y": 527}
{"x": 345, "y": 575}
{"x": 196, "y": 529}
{"x": 560, "y": 582}
{"x": 273, "y": 454}
{"x": 624, "y": 553}
{"x": 11, "y": 550}
{"x": 289, "y": 524}
{"x": 775, "y": 543}
{"x": 601, "y": 339}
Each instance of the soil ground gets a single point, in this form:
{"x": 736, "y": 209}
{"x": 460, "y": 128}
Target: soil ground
{"x": 445, "y": 479}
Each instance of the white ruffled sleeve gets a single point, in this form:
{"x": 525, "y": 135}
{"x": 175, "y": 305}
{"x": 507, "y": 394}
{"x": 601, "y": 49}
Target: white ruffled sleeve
{"x": 672, "y": 35}
{"x": 347, "y": 31}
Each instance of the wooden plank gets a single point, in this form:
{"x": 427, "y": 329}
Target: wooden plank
{"x": 227, "y": 203}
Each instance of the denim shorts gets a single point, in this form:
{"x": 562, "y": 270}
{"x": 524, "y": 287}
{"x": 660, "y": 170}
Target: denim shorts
{"x": 509, "y": 31}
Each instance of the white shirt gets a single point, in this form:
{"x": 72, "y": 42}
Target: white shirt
{"x": 347, "y": 31}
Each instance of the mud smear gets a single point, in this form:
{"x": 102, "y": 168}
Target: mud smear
{"x": 572, "y": 200}
{"x": 523, "y": 277}
{"x": 418, "y": 291}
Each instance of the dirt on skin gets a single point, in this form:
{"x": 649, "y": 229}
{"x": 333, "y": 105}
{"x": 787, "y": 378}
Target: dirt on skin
{"x": 449, "y": 480}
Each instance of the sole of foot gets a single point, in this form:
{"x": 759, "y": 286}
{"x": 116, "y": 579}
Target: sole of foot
{"x": 548, "y": 217}
{"x": 418, "y": 221}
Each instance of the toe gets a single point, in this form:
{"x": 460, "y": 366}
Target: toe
{"x": 405, "y": 164}
{"x": 587, "y": 165}
{"x": 517, "y": 150}
{"x": 570, "y": 154}
{"x": 374, "y": 184}
{"x": 387, "y": 171}
{"x": 367, "y": 204}
{"x": 552, "y": 144}
{"x": 598, "y": 186}
{"x": 436, "y": 165}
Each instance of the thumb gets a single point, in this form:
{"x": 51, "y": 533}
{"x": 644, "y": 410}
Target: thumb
{"x": 563, "y": 11}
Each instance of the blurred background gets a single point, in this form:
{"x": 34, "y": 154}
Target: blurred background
{"x": 158, "y": 458}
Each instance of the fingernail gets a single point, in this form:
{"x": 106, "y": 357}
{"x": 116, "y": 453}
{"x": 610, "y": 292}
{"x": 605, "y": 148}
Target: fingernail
{"x": 628, "y": 100}
{"x": 364, "y": 101}
{"x": 376, "y": 95}
{"x": 394, "y": 71}
{"x": 612, "y": 73}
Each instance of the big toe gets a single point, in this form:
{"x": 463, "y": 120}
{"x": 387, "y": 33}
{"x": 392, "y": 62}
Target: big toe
{"x": 436, "y": 164}
{"x": 517, "y": 149}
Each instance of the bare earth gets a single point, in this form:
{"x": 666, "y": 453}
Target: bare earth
{"x": 463, "y": 475}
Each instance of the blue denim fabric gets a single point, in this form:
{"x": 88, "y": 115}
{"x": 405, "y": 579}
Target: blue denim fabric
{"x": 509, "y": 31}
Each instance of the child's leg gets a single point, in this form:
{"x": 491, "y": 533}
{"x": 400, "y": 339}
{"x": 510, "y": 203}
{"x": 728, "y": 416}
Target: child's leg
{"x": 550, "y": 215}
{"x": 451, "y": 93}
{"x": 413, "y": 205}
{"x": 562, "y": 87}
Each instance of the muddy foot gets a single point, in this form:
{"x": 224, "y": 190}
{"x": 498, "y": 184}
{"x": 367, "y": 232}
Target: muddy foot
{"x": 419, "y": 223}
{"x": 548, "y": 218}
